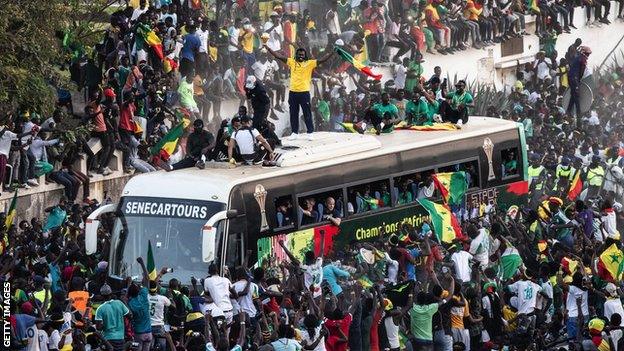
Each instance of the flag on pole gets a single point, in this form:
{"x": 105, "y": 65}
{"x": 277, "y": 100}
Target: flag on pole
{"x": 452, "y": 186}
{"x": 576, "y": 187}
{"x": 510, "y": 261}
{"x": 445, "y": 224}
{"x": 151, "y": 268}
{"x": 611, "y": 263}
{"x": 345, "y": 56}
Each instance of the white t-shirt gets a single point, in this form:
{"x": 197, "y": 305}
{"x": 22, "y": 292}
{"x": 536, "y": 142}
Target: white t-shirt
{"x": 333, "y": 26}
{"x": 392, "y": 332}
{"x": 461, "y": 263}
{"x": 313, "y": 275}
{"x": 480, "y": 247}
{"x": 543, "y": 70}
{"x": 306, "y": 337}
{"x": 203, "y": 40}
{"x": 233, "y": 33}
{"x": 5, "y": 142}
{"x": 44, "y": 340}
{"x": 157, "y": 309}
{"x": 245, "y": 139}
{"x": 33, "y": 338}
{"x": 526, "y": 292}
{"x": 612, "y": 306}
{"x": 399, "y": 76}
{"x": 547, "y": 289}
{"x": 259, "y": 69}
{"x": 573, "y": 294}
{"x": 393, "y": 269}
{"x": 276, "y": 36}
{"x": 219, "y": 289}
{"x": 246, "y": 301}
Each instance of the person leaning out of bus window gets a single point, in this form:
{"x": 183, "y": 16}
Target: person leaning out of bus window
{"x": 308, "y": 214}
{"x": 283, "y": 212}
{"x": 247, "y": 139}
{"x": 330, "y": 212}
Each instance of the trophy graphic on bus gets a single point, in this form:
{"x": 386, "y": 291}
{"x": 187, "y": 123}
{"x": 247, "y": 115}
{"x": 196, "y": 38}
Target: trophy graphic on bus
{"x": 488, "y": 147}
{"x": 260, "y": 194}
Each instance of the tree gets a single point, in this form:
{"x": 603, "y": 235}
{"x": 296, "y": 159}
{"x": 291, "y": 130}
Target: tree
{"x": 31, "y": 50}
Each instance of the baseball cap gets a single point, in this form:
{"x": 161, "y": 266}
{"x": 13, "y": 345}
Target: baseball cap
{"x": 250, "y": 82}
{"x": 105, "y": 290}
{"x": 109, "y": 92}
{"x": 274, "y": 14}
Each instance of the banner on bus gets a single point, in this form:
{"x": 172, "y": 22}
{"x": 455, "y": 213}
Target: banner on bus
{"x": 169, "y": 208}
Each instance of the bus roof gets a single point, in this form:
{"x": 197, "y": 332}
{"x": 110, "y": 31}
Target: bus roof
{"x": 215, "y": 182}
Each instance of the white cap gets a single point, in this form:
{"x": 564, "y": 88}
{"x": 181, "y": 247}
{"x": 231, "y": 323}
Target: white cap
{"x": 250, "y": 83}
{"x": 611, "y": 289}
{"x": 339, "y": 42}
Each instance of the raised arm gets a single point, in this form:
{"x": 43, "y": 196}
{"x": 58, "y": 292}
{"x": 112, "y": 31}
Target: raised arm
{"x": 275, "y": 54}
{"x": 292, "y": 258}
{"x": 326, "y": 57}
{"x": 145, "y": 281}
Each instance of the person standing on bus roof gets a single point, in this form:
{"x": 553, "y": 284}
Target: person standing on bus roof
{"x": 247, "y": 139}
{"x": 301, "y": 69}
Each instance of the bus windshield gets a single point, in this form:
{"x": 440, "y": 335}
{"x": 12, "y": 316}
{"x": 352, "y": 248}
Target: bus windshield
{"x": 172, "y": 226}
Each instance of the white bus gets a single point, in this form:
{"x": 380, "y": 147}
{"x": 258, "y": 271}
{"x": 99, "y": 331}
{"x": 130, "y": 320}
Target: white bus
{"x": 193, "y": 217}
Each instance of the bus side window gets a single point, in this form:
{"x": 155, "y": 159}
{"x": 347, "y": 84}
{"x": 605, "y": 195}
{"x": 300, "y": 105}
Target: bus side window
{"x": 284, "y": 211}
{"x": 470, "y": 167}
{"x": 316, "y": 208}
{"x": 410, "y": 187}
{"x": 509, "y": 162}
{"x": 369, "y": 196}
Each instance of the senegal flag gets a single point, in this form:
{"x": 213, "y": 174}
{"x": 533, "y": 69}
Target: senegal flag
{"x": 151, "y": 268}
{"x": 8, "y": 222}
{"x": 429, "y": 127}
{"x": 452, "y": 186}
{"x": 151, "y": 38}
{"x": 575, "y": 187}
{"x": 345, "y": 56}
{"x": 445, "y": 224}
{"x": 166, "y": 146}
{"x": 611, "y": 263}
{"x": 10, "y": 215}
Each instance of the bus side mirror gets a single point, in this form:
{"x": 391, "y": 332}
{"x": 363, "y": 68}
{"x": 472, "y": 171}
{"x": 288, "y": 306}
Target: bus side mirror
{"x": 91, "y": 227}
{"x": 209, "y": 233}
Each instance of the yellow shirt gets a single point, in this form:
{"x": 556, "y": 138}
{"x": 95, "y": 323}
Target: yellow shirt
{"x": 246, "y": 40}
{"x": 300, "y": 74}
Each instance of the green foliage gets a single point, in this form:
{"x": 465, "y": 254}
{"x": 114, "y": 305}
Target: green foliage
{"x": 31, "y": 52}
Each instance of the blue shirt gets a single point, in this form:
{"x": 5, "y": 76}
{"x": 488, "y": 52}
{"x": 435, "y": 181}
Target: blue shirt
{"x": 139, "y": 306}
{"x": 23, "y": 323}
{"x": 191, "y": 46}
{"x": 409, "y": 267}
{"x": 55, "y": 219}
{"x": 55, "y": 274}
{"x": 331, "y": 274}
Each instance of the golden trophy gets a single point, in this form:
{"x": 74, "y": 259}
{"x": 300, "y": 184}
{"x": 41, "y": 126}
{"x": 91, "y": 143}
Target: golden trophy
{"x": 260, "y": 195}
{"x": 488, "y": 147}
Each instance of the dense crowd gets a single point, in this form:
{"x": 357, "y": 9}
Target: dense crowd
{"x": 535, "y": 279}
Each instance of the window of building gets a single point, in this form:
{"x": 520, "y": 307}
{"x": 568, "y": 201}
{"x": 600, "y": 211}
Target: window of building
{"x": 315, "y": 208}
{"x": 470, "y": 167}
{"x": 369, "y": 196}
{"x": 509, "y": 162}
{"x": 411, "y": 187}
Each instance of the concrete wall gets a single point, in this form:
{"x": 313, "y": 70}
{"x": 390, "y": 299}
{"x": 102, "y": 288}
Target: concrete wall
{"x": 32, "y": 202}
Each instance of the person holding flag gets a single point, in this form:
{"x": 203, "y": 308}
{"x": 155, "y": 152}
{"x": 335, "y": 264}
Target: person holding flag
{"x": 301, "y": 68}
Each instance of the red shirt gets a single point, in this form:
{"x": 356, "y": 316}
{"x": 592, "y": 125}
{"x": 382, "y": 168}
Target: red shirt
{"x": 126, "y": 116}
{"x": 374, "y": 336}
